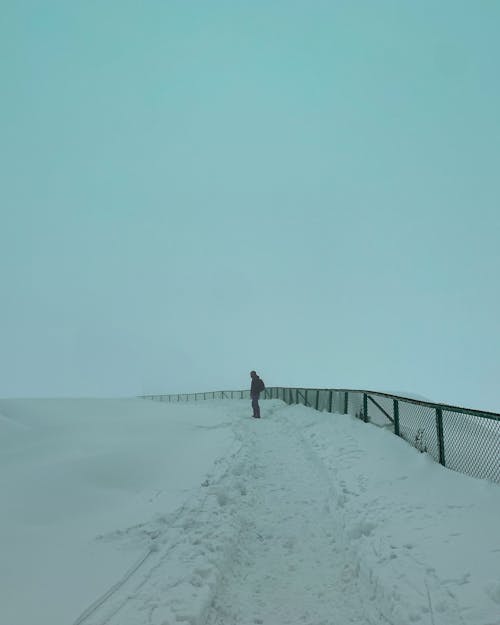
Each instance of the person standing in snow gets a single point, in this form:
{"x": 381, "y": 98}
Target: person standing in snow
{"x": 255, "y": 390}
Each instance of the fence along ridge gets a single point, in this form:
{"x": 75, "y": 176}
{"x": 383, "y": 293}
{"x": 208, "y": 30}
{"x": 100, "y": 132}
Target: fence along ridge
{"x": 462, "y": 439}
{"x": 419, "y": 402}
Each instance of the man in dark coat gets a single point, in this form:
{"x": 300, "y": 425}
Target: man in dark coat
{"x": 255, "y": 390}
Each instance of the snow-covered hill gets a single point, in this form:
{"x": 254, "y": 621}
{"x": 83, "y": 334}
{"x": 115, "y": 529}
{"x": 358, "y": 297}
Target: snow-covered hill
{"x": 130, "y": 512}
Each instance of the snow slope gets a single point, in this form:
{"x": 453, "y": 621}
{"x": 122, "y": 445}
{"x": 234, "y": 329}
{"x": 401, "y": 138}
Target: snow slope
{"x": 131, "y": 512}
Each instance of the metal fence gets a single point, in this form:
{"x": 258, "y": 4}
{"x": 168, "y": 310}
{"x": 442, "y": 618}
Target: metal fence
{"x": 461, "y": 439}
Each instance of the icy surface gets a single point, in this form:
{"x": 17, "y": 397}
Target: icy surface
{"x": 131, "y": 512}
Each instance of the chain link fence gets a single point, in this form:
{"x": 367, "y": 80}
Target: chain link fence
{"x": 461, "y": 439}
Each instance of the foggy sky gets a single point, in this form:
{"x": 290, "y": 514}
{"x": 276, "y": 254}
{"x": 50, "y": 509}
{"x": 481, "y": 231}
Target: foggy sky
{"x": 191, "y": 190}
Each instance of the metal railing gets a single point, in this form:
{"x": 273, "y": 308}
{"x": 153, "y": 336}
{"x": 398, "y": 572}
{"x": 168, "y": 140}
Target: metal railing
{"x": 461, "y": 439}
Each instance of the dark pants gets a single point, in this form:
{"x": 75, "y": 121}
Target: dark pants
{"x": 255, "y": 404}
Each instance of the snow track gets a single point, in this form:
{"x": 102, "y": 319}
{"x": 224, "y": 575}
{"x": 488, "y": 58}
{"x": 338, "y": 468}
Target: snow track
{"x": 180, "y": 571}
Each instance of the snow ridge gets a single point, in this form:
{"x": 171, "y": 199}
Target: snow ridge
{"x": 293, "y": 526}
{"x": 198, "y": 514}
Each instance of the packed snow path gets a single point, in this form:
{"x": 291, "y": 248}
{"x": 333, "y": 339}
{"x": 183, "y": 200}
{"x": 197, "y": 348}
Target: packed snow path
{"x": 289, "y": 565}
{"x": 296, "y": 526}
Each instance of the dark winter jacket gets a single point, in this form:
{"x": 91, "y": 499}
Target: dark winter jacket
{"x": 257, "y": 386}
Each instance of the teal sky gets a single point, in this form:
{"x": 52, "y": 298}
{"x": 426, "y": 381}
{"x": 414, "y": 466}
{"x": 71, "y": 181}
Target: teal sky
{"x": 190, "y": 190}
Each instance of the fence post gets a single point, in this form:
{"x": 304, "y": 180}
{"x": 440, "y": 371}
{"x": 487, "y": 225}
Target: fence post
{"x": 346, "y": 403}
{"x": 396, "y": 417}
{"x": 365, "y": 407}
{"x": 305, "y": 397}
{"x": 330, "y": 402}
{"x": 316, "y": 407}
{"x": 439, "y": 430}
